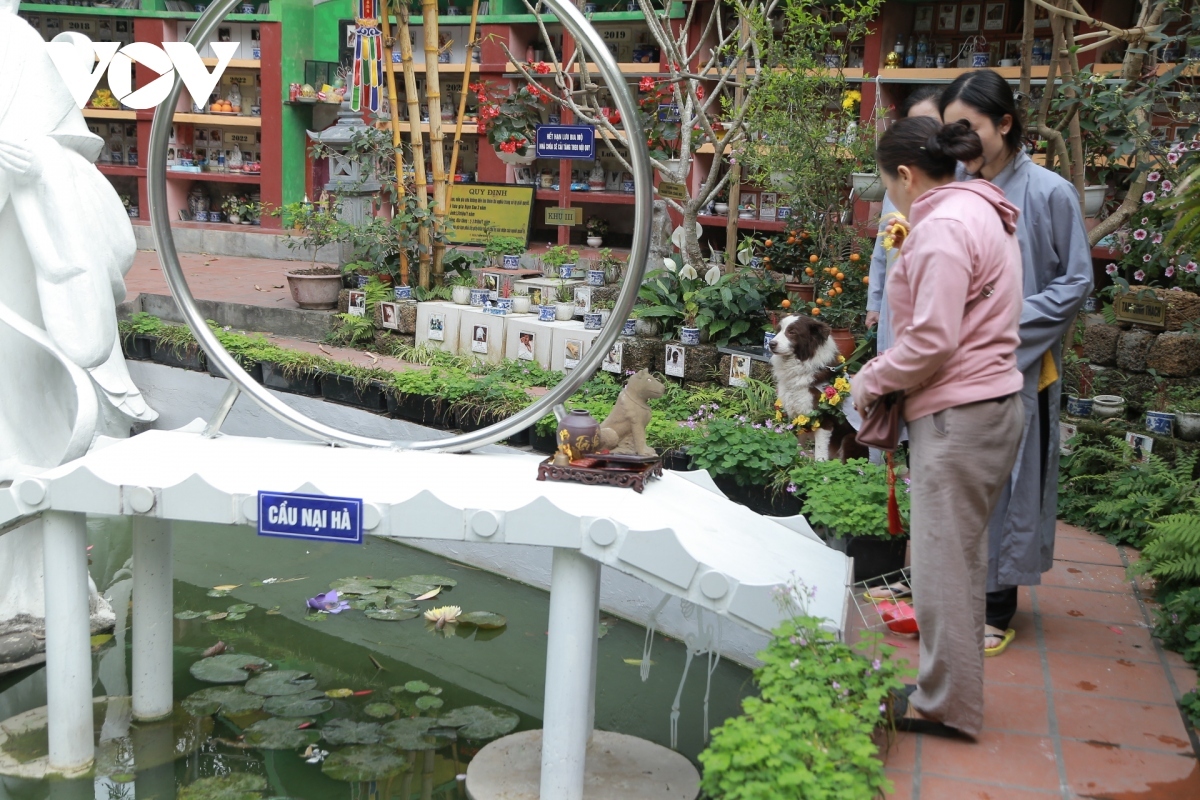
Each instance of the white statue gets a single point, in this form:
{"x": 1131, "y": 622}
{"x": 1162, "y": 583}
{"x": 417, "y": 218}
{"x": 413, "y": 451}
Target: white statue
{"x": 65, "y": 246}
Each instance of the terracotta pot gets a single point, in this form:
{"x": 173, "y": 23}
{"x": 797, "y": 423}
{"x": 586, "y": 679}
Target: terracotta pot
{"x": 845, "y": 341}
{"x": 315, "y": 291}
{"x": 579, "y": 432}
{"x": 807, "y": 292}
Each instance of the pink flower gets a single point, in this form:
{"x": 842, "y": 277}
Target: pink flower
{"x": 1157, "y": 238}
{"x": 1172, "y": 158}
{"x": 1167, "y": 186}
{"x": 1145, "y": 259}
{"x": 1154, "y": 176}
{"x": 1190, "y": 267}
{"x": 1169, "y": 272}
{"x": 1139, "y": 276}
{"x": 1111, "y": 269}
{"x": 1145, "y": 220}
{"x": 1126, "y": 248}
{"x": 1193, "y": 145}
{"x": 1148, "y": 197}
{"x": 1139, "y": 234}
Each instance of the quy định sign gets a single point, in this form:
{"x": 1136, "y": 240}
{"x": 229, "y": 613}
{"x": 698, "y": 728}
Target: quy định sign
{"x": 476, "y": 208}
{"x": 309, "y": 516}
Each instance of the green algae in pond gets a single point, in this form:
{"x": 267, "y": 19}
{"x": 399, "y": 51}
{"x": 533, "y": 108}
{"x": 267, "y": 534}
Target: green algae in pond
{"x": 228, "y": 699}
{"x": 304, "y": 705}
{"x": 483, "y": 619}
{"x": 364, "y": 762}
{"x": 238, "y": 786}
{"x": 280, "y": 733}
{"x": 380, "y": 710}
{"x": 227, "y": 668}
{"x": 344, "y": 731}
{"x": 477, "y": 722}
{"x": 281, "y": 682}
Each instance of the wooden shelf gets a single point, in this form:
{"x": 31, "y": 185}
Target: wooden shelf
{"x": 1010, "y": 74}
{"x": 744, "y": 224}
{"x": 852, "y": 74}
{"x": 236, "y": 63}
{"x": 446, "y": 68}
{"x": 630, "y": 68}
{"x": 216, "y": 177}
{"x": 109, "y": 113}
{"x": 611, "y": 198}
{"x": 219, "y": 120}
{"x": 121, "y": 171}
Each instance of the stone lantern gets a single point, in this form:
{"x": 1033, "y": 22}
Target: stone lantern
{"x": 346, "y": 180}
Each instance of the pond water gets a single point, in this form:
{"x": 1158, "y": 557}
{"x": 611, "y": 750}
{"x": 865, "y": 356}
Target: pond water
{"x": 356, "y": 678}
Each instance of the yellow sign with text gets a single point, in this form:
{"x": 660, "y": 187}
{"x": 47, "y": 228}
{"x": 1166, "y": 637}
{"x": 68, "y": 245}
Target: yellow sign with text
{"x": 477, "y": 208}
{"x": 564, "y": 216}
{"x": 675, "y": 191}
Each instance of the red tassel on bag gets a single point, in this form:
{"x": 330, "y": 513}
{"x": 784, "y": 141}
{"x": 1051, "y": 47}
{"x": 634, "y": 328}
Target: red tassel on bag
{"x": 895, "y": 524}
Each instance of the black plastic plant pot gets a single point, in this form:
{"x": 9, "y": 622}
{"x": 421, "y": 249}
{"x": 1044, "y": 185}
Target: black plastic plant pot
{"x": 543, "y": 443}
{"x": 418, "y": 408}
{"x": 473, "y": 418}
{"x": 873, "y": 555}
{"x": 304, "y": 382}
{"x": 677, "y": 460}
{"x": 758, "y": 498}
{"x": 186, "y": 357}
{"x": 255, "y": 370}
{"x": 138, "y": 346}
{"x": 342, "y": 389}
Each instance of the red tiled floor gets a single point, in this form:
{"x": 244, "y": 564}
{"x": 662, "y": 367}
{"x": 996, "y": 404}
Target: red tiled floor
{"x": 935, "y": 788}
{"x": 1084, "y": 637}
{"x": 1015, "y": 665}
{"x": 901, "y": 785}
{"x": 1023, "y": 624}
{"x": 1092, "y": 550}
{"x": 1117, "y": 609}
{"x": 1099, "y": 771}
{"x": 1010, "y": 758}
{"x": 1121, "y": 722}
{"x": 1077, "y": 575}
{"x": 1109, "y": 677}
{"x": 900, "y": 752}
{"x": 222, "y": 278}
{"x": 1014, "y": 708}
{"x": 1185, "y": 678}
{"x": 1065, "y": 530}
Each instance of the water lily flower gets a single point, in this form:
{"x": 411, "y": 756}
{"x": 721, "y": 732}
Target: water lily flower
{"x": 688, "y": 272}
{"x": 713, "y": 275}
{"x": 1139, "y": 234}
{"x": 1139, "y": 276}
{"x": 1148, "y": 197}
{"x": 1111, "y": 269}
{"x": 314, "y": 755}
{"x": 446, "y": 615}
{"x": 328, "y": 603}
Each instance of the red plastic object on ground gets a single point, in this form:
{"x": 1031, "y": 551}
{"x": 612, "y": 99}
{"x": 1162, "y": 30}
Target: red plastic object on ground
{"x": 898, "y": 616}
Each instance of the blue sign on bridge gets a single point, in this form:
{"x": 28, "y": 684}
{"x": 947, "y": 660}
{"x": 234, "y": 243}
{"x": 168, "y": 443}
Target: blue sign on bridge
{"x": 566, "y": 141}
{"x": 310, "y": 516}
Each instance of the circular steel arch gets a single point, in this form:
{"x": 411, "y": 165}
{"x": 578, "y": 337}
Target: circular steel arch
{"x": 586, "y": 36}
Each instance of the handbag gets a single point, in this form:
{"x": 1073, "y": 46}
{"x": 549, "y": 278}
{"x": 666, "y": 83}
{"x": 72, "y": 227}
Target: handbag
{"x": 881, "y": 423}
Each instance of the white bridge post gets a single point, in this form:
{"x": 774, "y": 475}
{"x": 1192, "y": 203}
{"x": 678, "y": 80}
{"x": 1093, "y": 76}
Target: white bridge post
{"x": 68, "y": 643}
{"x": 570, "y": 671}
{"x": 153, "y": 626}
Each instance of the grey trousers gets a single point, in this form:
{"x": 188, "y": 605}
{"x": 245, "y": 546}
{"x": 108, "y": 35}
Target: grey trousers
{"x": 960, "y": 459}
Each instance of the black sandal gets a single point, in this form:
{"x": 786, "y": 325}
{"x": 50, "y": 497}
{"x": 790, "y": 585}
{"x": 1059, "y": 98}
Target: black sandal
{"x": 898, "y": 709}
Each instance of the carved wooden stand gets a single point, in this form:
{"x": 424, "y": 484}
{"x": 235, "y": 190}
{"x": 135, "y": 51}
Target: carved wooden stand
{"x": 627, "y": 472}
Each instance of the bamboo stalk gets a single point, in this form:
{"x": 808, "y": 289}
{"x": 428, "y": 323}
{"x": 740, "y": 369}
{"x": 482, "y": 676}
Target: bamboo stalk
{"x": 414, "y": 134}
{"x": 462, "y": 104}
{"x": 394, "y": 105}
{"x": 433, "y": 96}
{"x": 735, "y": 168}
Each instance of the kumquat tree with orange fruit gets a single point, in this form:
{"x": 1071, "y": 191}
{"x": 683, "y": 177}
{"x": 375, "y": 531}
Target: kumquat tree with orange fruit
{"x": 840, "y": 280}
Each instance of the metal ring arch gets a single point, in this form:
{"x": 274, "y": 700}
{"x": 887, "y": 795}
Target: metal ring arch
{"x": 585, "y": 35}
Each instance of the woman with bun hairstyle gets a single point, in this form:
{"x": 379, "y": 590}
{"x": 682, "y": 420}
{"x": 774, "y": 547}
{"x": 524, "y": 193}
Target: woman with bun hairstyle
{"x": 955, "y": 297}
{"x": 1056, "y": 261}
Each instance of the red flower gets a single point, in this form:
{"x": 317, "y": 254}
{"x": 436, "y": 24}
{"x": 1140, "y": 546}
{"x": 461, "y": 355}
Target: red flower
{"x": 699, "y": 92}
{"x": 647, "y": 84}
{"x": 541, "y": 68}
{"x": 509, "y": 147}
{"x": 830, "y": 392}
{"x": 535, "y": 93}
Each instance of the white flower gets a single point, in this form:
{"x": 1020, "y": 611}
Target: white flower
{"x": 669, "y": 263}
{"x": 688, "y": 272}
{"x": 446, "y": 615}
{"x": 713, "y": 275}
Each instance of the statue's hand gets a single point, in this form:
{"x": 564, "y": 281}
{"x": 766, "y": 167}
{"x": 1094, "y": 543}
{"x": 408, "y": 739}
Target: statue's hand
{"x": 20, "y": 162}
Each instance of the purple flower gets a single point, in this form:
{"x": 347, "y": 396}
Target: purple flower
{"x": 1148, "y": 197}
{"x": 791, "y": 488}
{"x": 1169, "y": 272}
{"x": 1154, "y": 176}
{"x": 1145, "y": 220}
{"x": 1172, "y": 157}
{"x": 1167, "y": 186}
{"x": 328, "y": 603}
{"x": 836, "y": 685}
{"x": 882, "y": 708}
{"x": 1139, "y": 234}
{"x": 1194, "y": 146}
{"x": 1157, "y": 238}
{"x": 1139, "y": 276}
{"x": 1111, "y": 269}
{"x": 876, "y": 664}
{"x": 1146, "y": 258}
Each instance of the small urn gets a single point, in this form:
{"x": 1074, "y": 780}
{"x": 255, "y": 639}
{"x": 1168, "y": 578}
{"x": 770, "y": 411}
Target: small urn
{"x": 579, "y": 433}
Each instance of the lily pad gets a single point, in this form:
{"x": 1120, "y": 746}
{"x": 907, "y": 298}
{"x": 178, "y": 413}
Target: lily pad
{"x": 281, "y": 733}
{"x": 308, "y": 704}
{"x": 240, "y": 608}
{"x": 273, "y": 610}
{"x": 281, "y": 682}
{"x": 477, "y": 722}
{"x": 344, "y": 731}
{"x": 411, "y": 587}
{"x": 226, "y": 668}
{"x": 432, "y": 580}
{"x": 220, "y": 615}
{"x": 353, "y": 586}
{"x": 483, "y": 619}
{"x": 229, "y": 699}
{"x": 380, "y": 710}
{"x": 339, "y": 693}
{"x": 379, "y": 583}
{"x": 365, "y": 603}
{"x": 435, "y": 690}
{"x": 192, "y": 614}
{"x": 234, "y": 617}
{"x": 394, "y": 614}
{"x": 364, "y": 762}
{"x": 416, "y": 687}
{"x": 238, "y": 786}
{"x": 218, "y": 593}
{"x": 429, "y": 702}
{"x": 411, "y": 733}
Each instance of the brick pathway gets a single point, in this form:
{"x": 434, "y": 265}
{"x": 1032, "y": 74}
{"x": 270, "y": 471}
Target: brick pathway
{"x": 221, "y": 278}
{"x": 1081, "y": 705}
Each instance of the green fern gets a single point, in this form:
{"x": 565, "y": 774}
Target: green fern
{"x": 1171, "y": 554}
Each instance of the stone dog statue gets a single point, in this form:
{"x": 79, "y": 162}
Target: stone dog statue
{"x": 624, "y": 430}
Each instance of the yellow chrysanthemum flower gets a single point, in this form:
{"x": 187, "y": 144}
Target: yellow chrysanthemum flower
{"x": 800, "y": 421}
{"x": 778, "y": 416}
{"x": 779, "y": 404}
{"x": 833, "y": 401}
{"x": 841, "y": 359}
{"x": 841, "y": 384}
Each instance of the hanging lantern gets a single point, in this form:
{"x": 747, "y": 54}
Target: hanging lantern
{"x": 368, "y": 54}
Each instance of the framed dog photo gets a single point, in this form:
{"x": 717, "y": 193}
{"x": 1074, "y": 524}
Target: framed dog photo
{"x": 993, "y": 17}
{"x": 947, "y": 16}
{"x": 389, "y": 314}
{"x": 612, "y": 359}
{"x": 923, "y": 19}
{"x": 356, "y": 304}
{"x": 479, "y": 339}
{"x": 572, "y": 352}
{"x": 676, "y": 360}
{"x": 739, "y": 370}
{"x": 968, "y": 20}
{"x": 437, "y": 327}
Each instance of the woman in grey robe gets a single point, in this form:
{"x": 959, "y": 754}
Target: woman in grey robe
{"x": 1057, "y": 262}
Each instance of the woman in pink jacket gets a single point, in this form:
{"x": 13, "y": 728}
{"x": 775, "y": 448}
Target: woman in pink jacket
{"x": 955, "y": 295}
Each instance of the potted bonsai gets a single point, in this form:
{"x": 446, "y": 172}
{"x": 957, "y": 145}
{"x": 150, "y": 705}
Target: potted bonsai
{"x": 312, "y": 226}
{"x": 597, "y": 229}
{"x": 721, "y": 203}
{"x": 847, "y": 504}
{"x": 1185, "y": 402}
